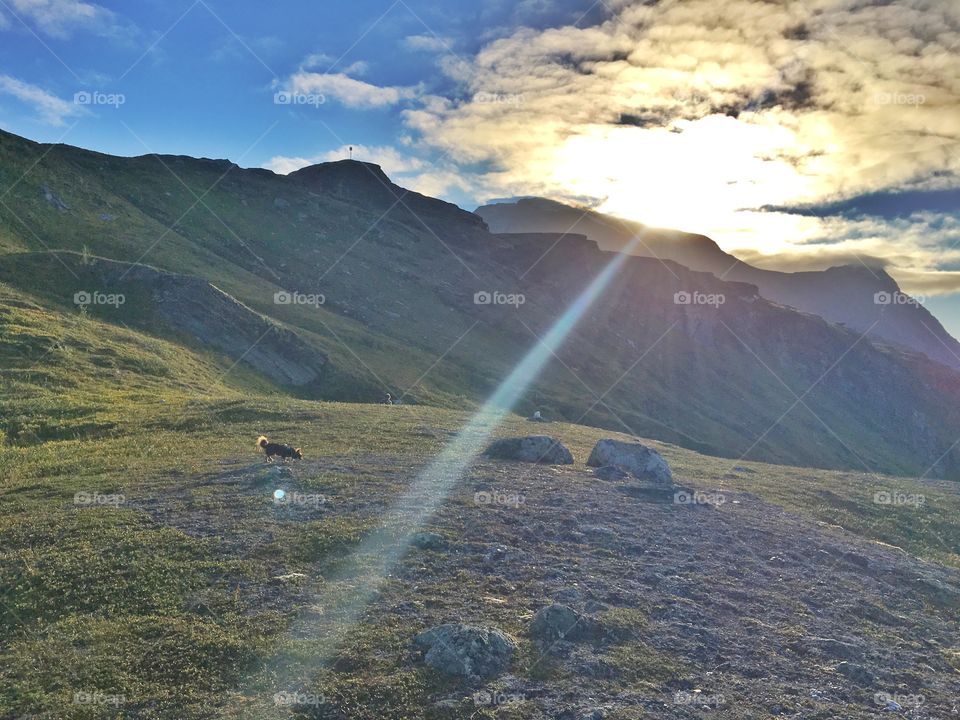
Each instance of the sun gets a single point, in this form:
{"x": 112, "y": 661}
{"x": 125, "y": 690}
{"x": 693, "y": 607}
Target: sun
{"x": 709, "y": 176}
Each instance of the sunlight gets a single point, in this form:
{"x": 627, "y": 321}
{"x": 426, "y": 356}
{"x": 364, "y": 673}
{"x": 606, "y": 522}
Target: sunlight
{"x": 698, "y": 177}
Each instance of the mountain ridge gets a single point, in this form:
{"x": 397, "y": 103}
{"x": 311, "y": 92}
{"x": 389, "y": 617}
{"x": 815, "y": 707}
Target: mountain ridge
{"x": 869, "y": 299}
{"x": 412, "y": 306}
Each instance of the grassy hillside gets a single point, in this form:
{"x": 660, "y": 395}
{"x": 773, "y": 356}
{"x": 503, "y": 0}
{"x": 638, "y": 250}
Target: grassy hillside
{"x": 149, "y": 573}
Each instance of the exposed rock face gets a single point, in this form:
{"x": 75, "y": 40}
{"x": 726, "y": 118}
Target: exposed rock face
{"x": 51, "y": 197}
{"x": 469, "y": 651}
{"x": 535, "y": 449}
{"x": 217, "y": 320}
{"x": 640, "y": 461}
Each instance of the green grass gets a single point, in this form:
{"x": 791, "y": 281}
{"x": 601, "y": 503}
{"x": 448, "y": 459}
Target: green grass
{"x": 89, "y": 588}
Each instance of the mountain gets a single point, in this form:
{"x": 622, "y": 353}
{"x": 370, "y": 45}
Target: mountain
{"x": 862, "y": 298}
{"x": 358, "y": 287}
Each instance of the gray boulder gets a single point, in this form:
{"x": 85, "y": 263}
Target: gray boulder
{"x": 469, "y": 651}
{"x": 558, "y": 622}
{"x": 640, "y": 461}
{"x": 611, "y": 472}
{"x": 534, "y": 448}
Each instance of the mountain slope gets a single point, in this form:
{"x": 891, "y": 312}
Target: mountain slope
{"x": 403, "y": 279}
{"x": 862, "y": 298}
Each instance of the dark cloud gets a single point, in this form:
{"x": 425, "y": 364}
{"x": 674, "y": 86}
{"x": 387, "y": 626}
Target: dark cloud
{"x": 885, "y": 204}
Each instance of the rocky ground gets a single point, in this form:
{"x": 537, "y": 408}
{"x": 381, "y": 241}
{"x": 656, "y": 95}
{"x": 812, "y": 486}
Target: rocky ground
{"x": 720, "y": 604}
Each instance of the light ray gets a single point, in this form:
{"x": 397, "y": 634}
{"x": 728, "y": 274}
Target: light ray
{"x": 376, "y": 557}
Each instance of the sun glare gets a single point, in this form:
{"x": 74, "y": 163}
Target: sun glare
{"x": 703, "y": 176}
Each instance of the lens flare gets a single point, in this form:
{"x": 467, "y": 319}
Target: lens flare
{"x": 374, "y": 559}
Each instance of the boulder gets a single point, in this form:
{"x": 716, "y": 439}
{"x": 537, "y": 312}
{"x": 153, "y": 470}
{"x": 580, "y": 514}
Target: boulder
{"x": 856, "y": 673}
{"x": 560, "y": 622}
{"x": 640, "y": 461}
{"x": 611, "y": 472}
{"x": 534, "y": 448}
{"x": 469, "y": 651}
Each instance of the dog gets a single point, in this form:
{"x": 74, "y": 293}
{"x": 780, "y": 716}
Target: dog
{"x": 282, "y": 451}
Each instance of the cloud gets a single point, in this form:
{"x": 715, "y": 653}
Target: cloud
{"x": 428, "y": 43}
{"x": 350, "y": 92}
{"x": 693, "y": 114}
{"x": 61, "y": 18}
{"x": 392, "y": 161}
{"x": 326, "y": 63}
{"x": 52, "y": 109}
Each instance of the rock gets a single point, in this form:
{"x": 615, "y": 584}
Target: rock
{"x": 560, "y": 622}
{"x": 267, "y": 474}
{"x": 51, "y": 197}
{"x": 642, "y": 462}
{"x": 468, "y": 651}
{"x": 856, "y": 673}
{"x": 857, "y": 559}
{"x": 611, "y": 472}
{"x": 294, "y": 577}
{"x": 280, "y": 203}
{"x": 601, "y": 535}
{"x": 534, "y": 448}
{"x": 537, "y": 417}
{"x": 106, "y": 217}
{"x": 429, "y": 541}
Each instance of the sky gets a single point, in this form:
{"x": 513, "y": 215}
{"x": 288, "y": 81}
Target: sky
{"x": 798, "y": 135}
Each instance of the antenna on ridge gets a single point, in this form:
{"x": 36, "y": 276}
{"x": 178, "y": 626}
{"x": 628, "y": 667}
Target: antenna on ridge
{"x": 351, "y": 152}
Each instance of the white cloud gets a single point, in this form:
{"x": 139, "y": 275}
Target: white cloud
{"x": 52, "y": 109}
{"x": 428, "y": 43}
{"x": 393, "y": 162}
{"x": 325, "y": 63}
{"x": 685, "y": 113}
{"x": 347, "y": 90}
{"x": 60, "y": 18}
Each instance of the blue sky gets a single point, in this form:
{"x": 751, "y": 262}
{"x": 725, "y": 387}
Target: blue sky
{"x": 199, "y": 78}
{"x": 798, "y": 139}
